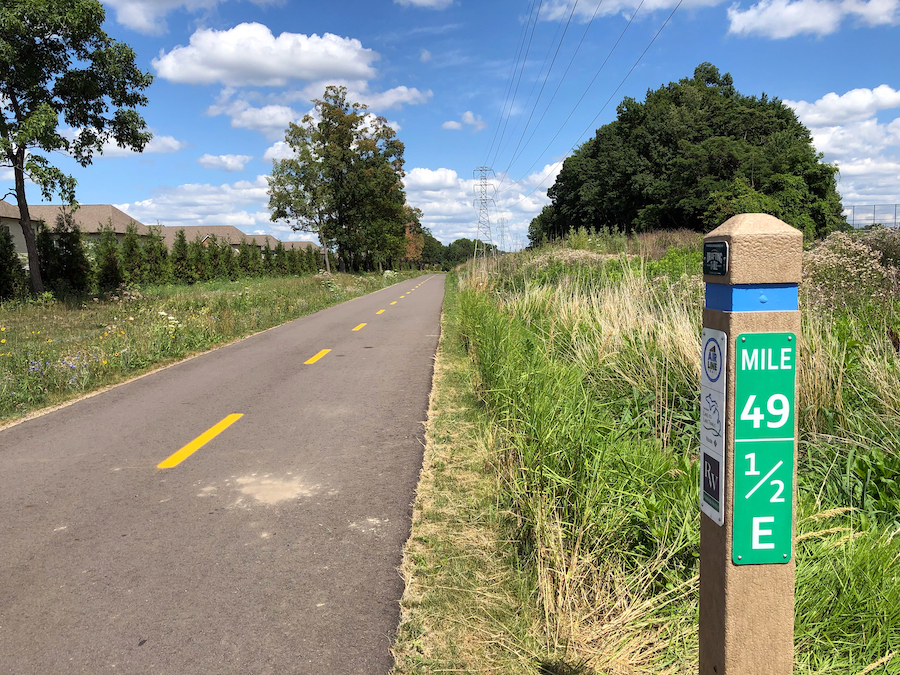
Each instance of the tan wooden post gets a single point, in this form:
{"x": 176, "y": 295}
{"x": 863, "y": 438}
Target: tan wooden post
{"x": 752, "y": 268}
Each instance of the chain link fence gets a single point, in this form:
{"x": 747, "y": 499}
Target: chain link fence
{"x": 866, "y": 215}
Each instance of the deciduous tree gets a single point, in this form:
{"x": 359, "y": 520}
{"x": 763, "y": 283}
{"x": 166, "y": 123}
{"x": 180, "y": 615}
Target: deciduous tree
{"x": 65, "y": 86}
{"x": 343, "y": 181}
{"x": 691, "y": 154}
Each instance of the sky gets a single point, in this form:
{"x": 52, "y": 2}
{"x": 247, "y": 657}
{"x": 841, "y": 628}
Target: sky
{"x": 513, "y": 85}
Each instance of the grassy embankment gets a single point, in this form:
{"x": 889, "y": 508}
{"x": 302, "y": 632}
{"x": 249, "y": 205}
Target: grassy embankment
{"x": 587, "y": 365}
{"x": 53, "y": 351}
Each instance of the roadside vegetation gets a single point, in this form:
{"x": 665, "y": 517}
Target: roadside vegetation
{"x": 586, "y": 360}
{"x": 52, "y": 351}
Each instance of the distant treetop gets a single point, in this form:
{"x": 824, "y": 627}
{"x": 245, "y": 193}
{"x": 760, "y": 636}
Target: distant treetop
{"x": 692, "y": 154}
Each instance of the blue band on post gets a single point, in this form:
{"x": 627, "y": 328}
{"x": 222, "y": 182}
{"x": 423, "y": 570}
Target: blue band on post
{"x": 752, "y": 297}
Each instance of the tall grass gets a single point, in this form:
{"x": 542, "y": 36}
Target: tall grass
{"x": 51, "y": 351}
{"x": 591, "y": 366}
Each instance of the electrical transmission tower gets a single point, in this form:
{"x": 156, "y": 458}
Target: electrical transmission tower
{"x": 484, "y": 197}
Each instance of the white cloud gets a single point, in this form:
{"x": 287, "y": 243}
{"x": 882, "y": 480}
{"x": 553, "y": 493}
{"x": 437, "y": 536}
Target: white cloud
{"x": 280, "y": 150}
{"x": 780, "y": 19}
{"x": 425, "y": 56}
{"x": 845, "y": 128}
{"x": 249, "y": 54}
{"x": 394, "y": 99}
{"x": 469, "y": 119}
{"x": 854, "y": 106}
{"x": 157, "y": 145}
{"x": 242, "y": 204}
{"x": 271, "y": 120}
{"x": 428, "y": 4}
{"x": 585, "y": 11}
{"x": 446, "y": 201}
{"x": 419, "y": 179}
{"x": 224, "y": 162}
{"x": 148, "y": 16}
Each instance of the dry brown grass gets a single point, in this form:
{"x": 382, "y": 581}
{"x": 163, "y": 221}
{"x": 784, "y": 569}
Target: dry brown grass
{"x": 465, "y": 608}
{"x": 654, "y": 244}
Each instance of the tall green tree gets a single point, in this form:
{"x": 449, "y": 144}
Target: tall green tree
{"x": 197, "y": 260}
{"x": 245, "y": 259}
{"x": 64, "y": 261}
{"x": 691, "y": 154}
{"x": 156, "y": 257}
{"x": 182, "y": 272}
{"x": 344, "y": 181}
{"x": 109, "y": 270}
{"x": 268, "y": 268}
{"x": 312, "y": 260}
{"x": 131, "y": 255}
{"x": 12, "y": 275}
{"x": 58, "y": 68}
{"x": 433, "y": 251}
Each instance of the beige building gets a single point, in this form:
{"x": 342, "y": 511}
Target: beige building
{"x": 91, "y": 218}
{"x": 232, "y": 235}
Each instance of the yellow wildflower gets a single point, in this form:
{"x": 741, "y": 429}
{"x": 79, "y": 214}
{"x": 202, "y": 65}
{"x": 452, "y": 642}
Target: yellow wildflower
{"x": 3, "y": 341}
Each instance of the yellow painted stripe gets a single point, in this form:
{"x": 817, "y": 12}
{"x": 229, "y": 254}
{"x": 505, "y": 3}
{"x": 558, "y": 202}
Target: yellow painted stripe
{"x": 199, "y": 442}
{"x": 394, "y": 302}
{"x": 316, "y": 357}
{"x": 359, "y": 326}
{"x": 402, "y": 296}
{"x": 380, "y": 311}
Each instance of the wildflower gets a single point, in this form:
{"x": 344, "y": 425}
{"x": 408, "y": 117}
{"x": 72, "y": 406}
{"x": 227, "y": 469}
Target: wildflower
{"x": 3, "y": 341}
{"x": 104, "y": 362}
{"x": 2, "y": 328}
{"x": 49, "y": 340}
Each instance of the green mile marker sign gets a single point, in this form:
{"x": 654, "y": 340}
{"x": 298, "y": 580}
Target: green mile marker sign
{"x": 765, "y": 377}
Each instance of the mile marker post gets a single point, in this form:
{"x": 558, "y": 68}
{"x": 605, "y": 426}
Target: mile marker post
{"x": 748, "y": 430}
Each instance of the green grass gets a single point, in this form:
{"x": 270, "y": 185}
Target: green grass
{"x": 52, "y": 351}
{"x": 590, "y": 368}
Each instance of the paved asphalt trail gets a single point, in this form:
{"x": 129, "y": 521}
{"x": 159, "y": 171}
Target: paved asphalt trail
{"x": 272, "y": 549}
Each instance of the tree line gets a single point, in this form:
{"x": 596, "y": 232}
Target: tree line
{"x": 691, "y": 155}
{"x": 72, "y": 266}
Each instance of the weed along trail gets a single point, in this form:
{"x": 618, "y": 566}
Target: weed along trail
{"x": 240, "y": 512}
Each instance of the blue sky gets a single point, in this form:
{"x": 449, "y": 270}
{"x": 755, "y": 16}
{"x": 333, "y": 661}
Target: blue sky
{"x": 230, "y": 74}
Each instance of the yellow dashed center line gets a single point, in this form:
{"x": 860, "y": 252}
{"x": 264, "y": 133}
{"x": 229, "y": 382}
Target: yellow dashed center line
{"x": 394, "y": 302}
{"x": 359, "y": 326}
{"x": 316, "y": 357}
{"x": 402, "y": 296}
{"x": 199, "y": 442}
{"x": 380, "y": 311}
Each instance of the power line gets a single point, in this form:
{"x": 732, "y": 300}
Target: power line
{"x": 521, "y": 73}
{"x": 627, "y": 75}
{"x": 512, "y": 75}
{"x": 546, "y": 77}
{"x": 591, "y": 84}
{"x": 558, "y": 86}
